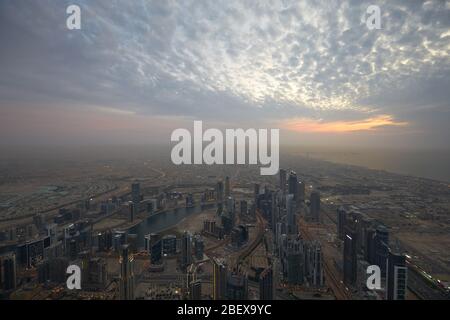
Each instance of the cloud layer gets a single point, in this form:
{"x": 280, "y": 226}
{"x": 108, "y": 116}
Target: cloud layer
{"x": 261, "y": 62}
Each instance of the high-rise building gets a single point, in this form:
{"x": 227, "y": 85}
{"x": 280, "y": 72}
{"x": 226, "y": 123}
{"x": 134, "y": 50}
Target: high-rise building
{"x": 8, "y": 272}
{"x": 131, "y": 211}
{"x": 227, "y": 187}
{"x": 169, "y": 243}
{"x": 350, "y": 258}
{"x": 219, "y": 191}
{"x": 315, "y": 206}
{"x": 195, "y": 290}
{"x": 290, "y": 214}
{"x": 370, "y": 246}
{"x": 266, "y": 284}
{"x": 126, "y": 282}
{"x": 316, "y": 268}
{"x": 219, "y": 279}
{"x": 283, "y": 174}
{"x": 237, "y": 286}
{"x": 341, "y": 220}
{"x": 396, "y": 277}
{"x": 198, "y": 247}
{"x": 381, "y": 247}
{"x": 244, "y": 208}
{"x": 294, "y": 261}
{"x": 186, "y": 250}
{"x": 293, "y": 184}
{"x": 301, "y": 192}
{"x": 256, "y": 193}
{"x": 136, "y": 197}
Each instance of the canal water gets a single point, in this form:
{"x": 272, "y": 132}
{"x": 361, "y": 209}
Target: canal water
{"x": 165, "y": 219}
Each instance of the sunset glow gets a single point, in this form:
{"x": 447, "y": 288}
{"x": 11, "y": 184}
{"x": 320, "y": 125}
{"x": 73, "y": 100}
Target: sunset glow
{"x": 311, "y": 125}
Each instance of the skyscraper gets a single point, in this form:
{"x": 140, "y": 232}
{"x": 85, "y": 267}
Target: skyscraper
{"x": 195, "y": 290}
{"x": 293, "y": 184}
{"x": 256, "y": 193}
{"x": 237, "y": 286}
{"x": 290, "y": 214}
{"x": 283, "y": 180}
{"x": 301, "y": 192}
{"x": 317, "y": 265}
{"x": 219, "y": 279}
{"x": 186, "y": 250}
{"x": 227, "y": 187}
{"x": 381, "y": 247}
{"x": 136, "y": 197}
{"x": 341, "y": 219}
{"x": 396, "y": 277}
{"x": 126, "y": 282}
{"x": 266, "y": 284}
{"x": 219, "y": 191}
{"x": 8, "y": 271}
{"x": 131, "y": 211}
{"x": 350, "y": 258}
{"x": 315, "y": 206}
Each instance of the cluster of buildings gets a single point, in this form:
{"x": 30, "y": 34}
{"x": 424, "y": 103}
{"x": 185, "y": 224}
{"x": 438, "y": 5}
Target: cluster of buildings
{"x": 366, "y": 243}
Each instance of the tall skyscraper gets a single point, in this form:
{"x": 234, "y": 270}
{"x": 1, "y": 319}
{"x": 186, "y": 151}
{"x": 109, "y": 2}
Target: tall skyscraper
{"x": 283, "y": 180}
{"x": 219, "y": 191}
{"x": 256, "y": 193}
{"x": 317, "y": 265}
{"x": 301, "y": 192}
{"x": 8, "y": 271}
{"x": 186, "y": 250}
{"x": 126, "y": 282}
{"x": 350, "y": 258}
{"x": 195, "y": 290}
{"x": 237, "y": 286}
{"x": 293, "y": 184}
{"x": 315, "y": 205}
{"x": 136, "y": 197}
{"x": 396, "y": 277}
{"x": 227, "y": 187}
{"x": 219, "y": 279}
{"x": 266, "y": 284}
{"x": 341, "y": 219}
{"x": 381, "y": 247}
{"x": 131, "y": 211}
{"x": 290, "y": 214}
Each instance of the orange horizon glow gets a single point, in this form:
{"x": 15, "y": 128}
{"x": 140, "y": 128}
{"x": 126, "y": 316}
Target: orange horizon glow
{"x": 318, "y": 126}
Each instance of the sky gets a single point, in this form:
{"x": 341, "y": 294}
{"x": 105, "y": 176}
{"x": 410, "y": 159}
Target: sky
{"x": 139, "y": 69}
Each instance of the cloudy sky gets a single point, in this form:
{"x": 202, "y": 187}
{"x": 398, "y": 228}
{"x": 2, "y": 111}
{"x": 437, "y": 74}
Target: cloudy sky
{"x": 139, "y": 69}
